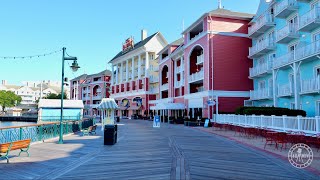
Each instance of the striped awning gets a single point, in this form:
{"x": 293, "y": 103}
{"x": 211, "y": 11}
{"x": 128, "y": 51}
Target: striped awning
{"x": 107, "y": 103}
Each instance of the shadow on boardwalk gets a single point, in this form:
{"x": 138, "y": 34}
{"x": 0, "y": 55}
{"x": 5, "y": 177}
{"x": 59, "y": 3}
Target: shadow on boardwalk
{"x": 143, "y": 152}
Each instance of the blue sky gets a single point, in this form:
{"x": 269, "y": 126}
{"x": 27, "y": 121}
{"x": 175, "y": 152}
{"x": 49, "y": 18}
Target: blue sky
{"x": 91, "y": 30}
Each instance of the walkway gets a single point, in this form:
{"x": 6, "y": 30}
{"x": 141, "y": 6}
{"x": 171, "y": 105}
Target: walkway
{"x": 142, "y": 152}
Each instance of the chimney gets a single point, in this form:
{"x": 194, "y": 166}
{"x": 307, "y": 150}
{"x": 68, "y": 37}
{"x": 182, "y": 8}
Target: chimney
{"x": 4, "y": 82}
{"x": 219, "y": 4}
{"x": 144, "y": 34}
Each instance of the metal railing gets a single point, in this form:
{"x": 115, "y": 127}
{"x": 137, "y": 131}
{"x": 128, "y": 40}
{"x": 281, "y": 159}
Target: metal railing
{"x": 164, "y": 87}
{"x": 265, "y": 93}
{"x": 41, "y": 132}
{"x": 310, "y": 85}
{"x": 200, "y": 59}
{"x": 280, "y": 123}
{"x": 284, "y": 4}
{"x": 261, "y": 68}
{"x": 285, "y": 90}
{"x": 259, "y": 46}
{"x": 309, "y": 17}
{"x": 287, "y": 31}
{"x": 196, "y": 76}
{"x": 261, "y": 21}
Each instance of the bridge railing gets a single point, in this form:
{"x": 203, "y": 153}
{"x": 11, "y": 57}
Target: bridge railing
{"x": 42, "y": 131}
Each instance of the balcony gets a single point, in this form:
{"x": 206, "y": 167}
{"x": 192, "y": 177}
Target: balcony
{"x": 196, "y": 76}
{"x": 180, "y": 68}
{"x": 283, "y": 60}
{"x": 310, "y": 86}
{"x": 164, "y": 87}
{"x": 310, "y": 21}
{"x": 155, "y": 69}
{"x": 153, "y": 79}
{"x": 308, "y": 52}
{"x": 261, "y": 48}
{"x": 261, "y": 69}
{"x": 286, "y": 7}
{"x": 285, "y": 90}
{"x": 287, "y": 34}
{"x": 179, "y": 83}
{"x": 262, "y": 24}
{"x": 154, "y": 90}
{"x": 200, "y": 59}
{"x": 97, "y": 97}
{"x": 261, "y": 94}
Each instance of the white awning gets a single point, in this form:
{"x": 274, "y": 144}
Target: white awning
{"x": 168, "y": 106}
{"x": 107, "y": 103}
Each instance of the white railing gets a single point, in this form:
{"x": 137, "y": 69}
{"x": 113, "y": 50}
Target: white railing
{"x": 266, "y": 43}
{"x": 164, "y": 87}
{"x": 308, "y": 50}
{"x": 287, "y": 31}
{"x": 200, "y": 59}
{"x": 310, "y": 85}
{"x": 265, "y": 93}
{"x": 279, "y": 123}
{"x": 154, "y": 79}
{"x": 196, "y": 76}
{"x": 282, "y": 60}
{"x": 199, "y": 34}
{"x": 285, "y": 90}
{"x": 261, "y": 68}
{"x": 179, "y": 83}
{"x": 309, "y": 17}
{"x": 154, "y": 90}
{"x": 180, "y": 68}
{"x": 284, "y": 4}
{"x": 261, "y": 21}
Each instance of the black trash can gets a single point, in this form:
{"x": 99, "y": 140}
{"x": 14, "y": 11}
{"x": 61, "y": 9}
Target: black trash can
{"x": 118, "y": 119}
{"x": 110, "y": 134}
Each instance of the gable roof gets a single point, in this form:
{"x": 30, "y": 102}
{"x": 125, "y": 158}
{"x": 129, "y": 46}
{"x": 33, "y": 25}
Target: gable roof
{"x": 224, "y": 13}
{"x": 177, "y": 42}
{"x": 136, "y": 46}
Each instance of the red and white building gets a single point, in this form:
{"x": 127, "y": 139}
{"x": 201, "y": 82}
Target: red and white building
{"x": 210, "y": 63}
{"x": 135, "y": 74}
{"x": 91, "y": 89}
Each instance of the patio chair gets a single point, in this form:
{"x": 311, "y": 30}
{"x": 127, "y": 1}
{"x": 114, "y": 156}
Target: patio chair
{"x": 281, "y": 138}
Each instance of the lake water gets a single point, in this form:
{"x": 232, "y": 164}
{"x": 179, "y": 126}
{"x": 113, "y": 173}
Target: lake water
{"x": 14, "y": 123}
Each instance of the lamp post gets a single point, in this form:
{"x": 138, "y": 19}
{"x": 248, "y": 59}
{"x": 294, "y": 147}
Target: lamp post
{"x": 74, "y": 66}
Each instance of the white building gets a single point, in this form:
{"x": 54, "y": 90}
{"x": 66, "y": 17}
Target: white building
{"x": 33, "y": 90}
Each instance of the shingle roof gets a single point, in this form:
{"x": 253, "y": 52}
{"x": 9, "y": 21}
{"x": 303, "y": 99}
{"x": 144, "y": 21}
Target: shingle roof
{"x": 136, "y": 46}
{"x": 226, "y": 12}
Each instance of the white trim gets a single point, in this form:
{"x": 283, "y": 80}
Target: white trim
{"x": 317, "y": 106}
{"x": 126, "y": 94}
{"x": 219, "y": 93}
{"x": 229, "y": 34}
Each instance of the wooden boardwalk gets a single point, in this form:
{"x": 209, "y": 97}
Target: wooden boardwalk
{"x": 142, "y": 152}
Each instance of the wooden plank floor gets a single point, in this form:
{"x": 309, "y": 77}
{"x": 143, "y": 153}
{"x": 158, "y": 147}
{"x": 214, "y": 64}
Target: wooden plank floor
{"x": 142, "y": 152}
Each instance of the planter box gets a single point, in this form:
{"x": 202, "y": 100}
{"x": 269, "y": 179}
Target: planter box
{"x": 186, "y": 123}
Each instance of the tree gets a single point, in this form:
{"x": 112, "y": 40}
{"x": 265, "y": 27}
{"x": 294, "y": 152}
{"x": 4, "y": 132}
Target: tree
{"x": 56, "y": 96}
{"x": 8, "y": 99}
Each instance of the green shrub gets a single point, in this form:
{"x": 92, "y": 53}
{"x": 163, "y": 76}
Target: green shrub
{"x": 269, "y": 111}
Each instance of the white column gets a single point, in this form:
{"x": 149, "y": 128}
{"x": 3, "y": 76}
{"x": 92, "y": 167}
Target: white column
{"x": 147, "y": 64}
{"x": 117, "y": 74}
{"x": 274, "y": 88}
{"x": 112, "y": 75}
{"x": 121, "y": 72}
{"x": 127, "y": 70}
{"x": 296, "y": 95}
{"x": 132, "y": 68}
{"x": 139, "y": 65}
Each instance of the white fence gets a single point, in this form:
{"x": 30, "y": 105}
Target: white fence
{"x": 310, "y": 125}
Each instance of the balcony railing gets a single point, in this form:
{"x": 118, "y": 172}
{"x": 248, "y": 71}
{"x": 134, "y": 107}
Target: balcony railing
{"x": 180, "y": 68}
{"x": 310, "y": 21}
{"x": 260, "y": 69}
{"x": 154, "y": 79}
{"x": 285, "y": 90}
{"x": 164, "y": 87}
{"x": 283, "y": 60}
{"x": 261, "y": 48}
{"x": 287, "y": 34}
{"x": 154, "y": 90}
{"x": 310, "y": 86}
{"x": 179, "y": 83}
{"x": 285, "y": 7}
{"x": 154, "y": 68}
{"x": 196, "y": 76}
{"x": 200, "y": 59}
{"x": 265, "y": 93}
{"x": 262, "y": 24}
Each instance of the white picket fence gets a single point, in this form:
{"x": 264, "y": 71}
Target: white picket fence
{"x": 309, "y": 125}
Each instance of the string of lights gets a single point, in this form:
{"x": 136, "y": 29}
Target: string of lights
{"x": 30, "y": 57}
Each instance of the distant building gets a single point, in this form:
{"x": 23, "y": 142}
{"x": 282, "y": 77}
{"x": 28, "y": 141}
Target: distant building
{"x": 91, "y": 89}
{"x": 31, "y": 91}
{"x": 135, "y": 74}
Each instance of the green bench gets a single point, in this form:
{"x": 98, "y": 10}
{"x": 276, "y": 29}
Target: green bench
{"x": 90, "y": 130}
{"x": 6, "y": 148}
